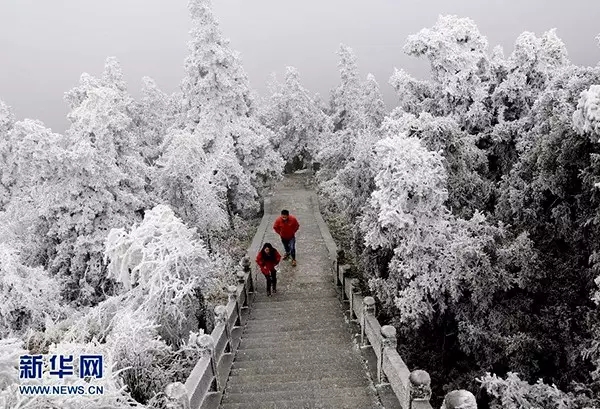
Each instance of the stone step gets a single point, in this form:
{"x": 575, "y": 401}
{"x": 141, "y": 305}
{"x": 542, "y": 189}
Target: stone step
{"x": 277, "y": 326}
{"x": 323, "y": 368}
{"x": 262, "y": 298}
{"x": 238, "y": 379}
{"x": 315, "y": 394}
{"x": 318, "y": 333}
{"x": 292, "y": 344}
{"x": 316, "y": 287}
{"x": 276, "y": 302}
{"x": 294, "y": 330}
{"x": 284, "y": 314}
{"x": 298, "y": 312}
{"x": 293, "y": 361}
{"x": 275, "y": 385}
{"x": 337, "y": 403}
{"x": 313, "y": 354}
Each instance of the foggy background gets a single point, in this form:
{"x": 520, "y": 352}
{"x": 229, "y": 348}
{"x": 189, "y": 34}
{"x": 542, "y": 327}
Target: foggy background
{"x": 45, "y": 45}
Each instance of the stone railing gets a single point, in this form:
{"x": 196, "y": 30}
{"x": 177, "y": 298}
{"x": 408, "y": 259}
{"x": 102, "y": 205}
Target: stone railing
{"x": 204, "y": 387}
{"x": 412, "y": 389}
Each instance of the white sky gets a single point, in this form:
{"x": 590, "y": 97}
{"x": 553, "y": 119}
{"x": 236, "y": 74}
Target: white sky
{"x": 45, "y": 45}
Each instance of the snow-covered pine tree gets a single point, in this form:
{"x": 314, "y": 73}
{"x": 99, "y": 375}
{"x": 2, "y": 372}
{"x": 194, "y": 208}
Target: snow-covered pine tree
{"x": 218, "y": 107}
{"x": 155, "y": 113}
{"x": 347, "y": 117}
{"x": 185, "y": 180}
{"x": 357, "y": 110}
{"x": 297, "y": 122}
{"x": 372, "y": 101}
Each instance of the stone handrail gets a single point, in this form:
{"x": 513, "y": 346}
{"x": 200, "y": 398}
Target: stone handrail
{"x": 205, "y": 377}
{"x": 412, "y": 389}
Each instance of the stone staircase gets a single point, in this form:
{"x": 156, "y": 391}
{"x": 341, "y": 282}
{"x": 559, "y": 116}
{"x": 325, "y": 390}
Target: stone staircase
{"x": 297, "y": 349}
{"x": 300, "y": 347}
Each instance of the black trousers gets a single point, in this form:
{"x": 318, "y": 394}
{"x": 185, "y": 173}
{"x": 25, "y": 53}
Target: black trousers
{"x": 272, "y": 280}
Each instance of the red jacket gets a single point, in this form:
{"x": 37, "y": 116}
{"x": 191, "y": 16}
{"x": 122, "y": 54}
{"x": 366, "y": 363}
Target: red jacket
{"x": 286, "y": 229}
{"x": 267, "y": 265}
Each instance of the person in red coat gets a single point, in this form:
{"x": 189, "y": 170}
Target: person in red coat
{"x": 286, "y": 226}
{"x": 267, "y": 259}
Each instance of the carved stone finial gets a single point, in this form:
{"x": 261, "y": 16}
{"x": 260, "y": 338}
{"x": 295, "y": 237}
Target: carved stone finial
{"x": 420, "y": 385}
{"x": 354, "y": 284}
{"x": 459, "y": 399}
{"x": 232, "y": 292}
{"x": 206, "y": 343}
{"x": 369, "y": 305}
{"x": 177, "y": 397}
{"x": 220, "y": 314}
{"x": 245, "y": 263}
{"x": 389, "y": 336}
{"x": 241, "y": 276}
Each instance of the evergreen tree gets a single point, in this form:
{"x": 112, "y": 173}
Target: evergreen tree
{"x": 218, "y": 108}
{"x": 297, "y": 122}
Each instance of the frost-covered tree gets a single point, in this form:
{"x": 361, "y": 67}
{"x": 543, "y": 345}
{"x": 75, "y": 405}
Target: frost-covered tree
{"x": 167, "y": 271}
{"x": 463, "y": 160}
{"x": 27, "y": 295}
{"x": 102, "y": 112}
{"x": 550, "y": 193}
{"x": 372, "y": 101}
{"x": 69, "y": 190}
{"x": 185, "y": 179}
{"x": 155, "y": 114}
{"x": 515, "y": 393}
{"x": 586, "y": 119}
{"x": 410, "y": 191}
{"x": 297, "y": 122}
{"x": 218, "y": 107}
{"x": 345, "y": 99}
{"x": 7, "y": 121}
{"x": 414, "y": 96}
{"x": 457, "y": 53}
{"x": 519, "y": 79}
{"x": 356, "y": 111}
{"x": 441, "y": 267}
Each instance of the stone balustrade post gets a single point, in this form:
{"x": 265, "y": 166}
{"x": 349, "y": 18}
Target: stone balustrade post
{"x": 420, "y": 386}
{"x": 353, "y": 290}
{"x": 245, "y": 263}
{"x": 459, "y": 399}
{"x": 177, "y": 396}
{"x": 389, "y": 340}
{"x": 368, "y": 309}
{"x": 344, "y": 268}
{"x": 241, "y": 277}
{"x": 221, "y": 318}
{"x": 339, "y": 260}
{"x": 232, "y": 293}
{"x": 206, "y": 343}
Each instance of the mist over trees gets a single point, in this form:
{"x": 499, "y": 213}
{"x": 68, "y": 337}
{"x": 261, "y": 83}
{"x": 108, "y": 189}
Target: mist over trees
{"x": 469, "y": 211}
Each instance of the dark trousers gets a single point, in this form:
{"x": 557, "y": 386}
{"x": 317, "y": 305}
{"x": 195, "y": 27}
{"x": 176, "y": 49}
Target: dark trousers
{"x": 290, "y": 247}
{"x": 272, "y": 279}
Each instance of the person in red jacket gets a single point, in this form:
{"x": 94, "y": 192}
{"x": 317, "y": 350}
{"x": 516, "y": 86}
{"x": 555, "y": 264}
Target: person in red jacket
{"x": 286, "y": 226}
{"x": 267, "y": 259}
